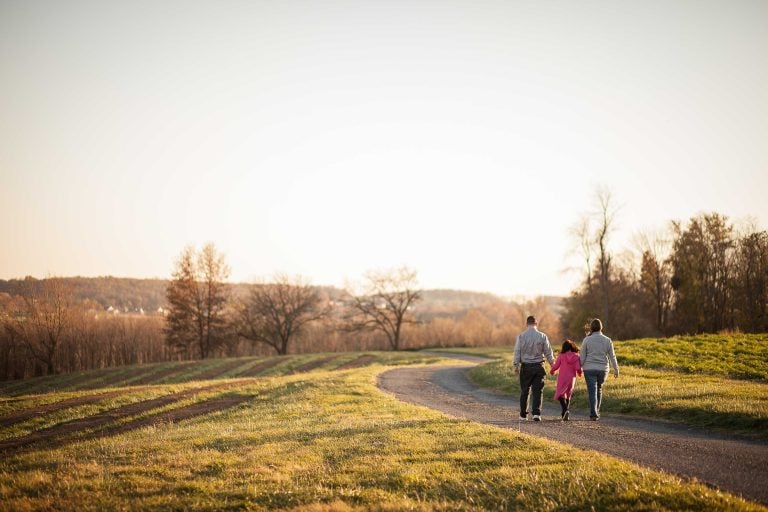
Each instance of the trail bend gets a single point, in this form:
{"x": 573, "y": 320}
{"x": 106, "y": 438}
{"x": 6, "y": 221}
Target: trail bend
{"x": 727, "y": 462}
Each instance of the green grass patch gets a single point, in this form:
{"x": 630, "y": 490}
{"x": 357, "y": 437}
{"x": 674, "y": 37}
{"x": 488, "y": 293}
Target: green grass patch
{"x": 185, "y": 371}
{"x": 330, "y": 440}
{"x": 489, "y": 352}
{"x": 737, "y": 356}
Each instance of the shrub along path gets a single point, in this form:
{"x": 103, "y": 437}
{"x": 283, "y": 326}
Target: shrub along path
{"x": 727, "y": 462}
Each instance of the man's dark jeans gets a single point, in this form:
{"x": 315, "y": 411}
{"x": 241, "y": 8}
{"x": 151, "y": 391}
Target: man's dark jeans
{"x": 532, "y": 377}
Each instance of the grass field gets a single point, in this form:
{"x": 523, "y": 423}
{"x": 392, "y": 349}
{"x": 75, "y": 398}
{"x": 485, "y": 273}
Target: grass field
{"x": 701, "y": 395}
{"x": 322, "y": 438}
{"x": 188, "y": 371}
{"x": 737, "y": 356}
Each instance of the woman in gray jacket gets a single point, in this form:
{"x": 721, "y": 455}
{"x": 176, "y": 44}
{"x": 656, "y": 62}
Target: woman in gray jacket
{"x": 596, "y": 354}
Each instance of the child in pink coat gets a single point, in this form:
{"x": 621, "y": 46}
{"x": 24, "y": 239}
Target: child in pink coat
{"x": 569, "y": 366}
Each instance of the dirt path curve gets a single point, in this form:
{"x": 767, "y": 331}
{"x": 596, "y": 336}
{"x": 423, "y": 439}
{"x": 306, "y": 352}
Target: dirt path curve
{"x": 733, "y": 464}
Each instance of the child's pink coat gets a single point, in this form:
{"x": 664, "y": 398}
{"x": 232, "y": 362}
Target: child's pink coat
{"x": 569, "y": 365}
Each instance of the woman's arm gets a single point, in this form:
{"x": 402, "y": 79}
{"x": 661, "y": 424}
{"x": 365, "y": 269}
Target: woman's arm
{"x": 612, "y": 358}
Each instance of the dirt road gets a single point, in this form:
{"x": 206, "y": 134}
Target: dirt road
{"x": 729, "y": 463}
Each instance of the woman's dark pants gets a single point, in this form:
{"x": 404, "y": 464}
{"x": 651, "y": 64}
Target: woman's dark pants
{"x": 531, "y": 379}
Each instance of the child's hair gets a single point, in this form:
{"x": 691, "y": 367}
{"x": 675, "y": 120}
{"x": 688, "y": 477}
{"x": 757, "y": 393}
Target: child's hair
{"x": 569, "y": 346}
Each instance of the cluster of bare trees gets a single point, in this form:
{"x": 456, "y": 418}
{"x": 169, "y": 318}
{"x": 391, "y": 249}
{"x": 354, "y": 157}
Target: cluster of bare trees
{"x": 288, "y": 314}
{"x": 205, "y": 319}
{"x": 703, "y": 276}
{"x": 45, "y": 330}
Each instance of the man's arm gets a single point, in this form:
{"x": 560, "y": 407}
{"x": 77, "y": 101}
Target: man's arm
{"x": 516, "y": 360}
{"x": 548, "y": 351}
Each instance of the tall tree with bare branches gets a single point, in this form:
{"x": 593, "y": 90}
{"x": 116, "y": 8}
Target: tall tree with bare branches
{"x": 592, "y": 234}
{"x": 385, "y": 303}
{"x": 750, "y": 280}
{"x": 605, "y": 216}
{"x": 198, "y": 298}
{"x": 655, "y": 277}
{"x": 43, "y": 321}
{"x": 276, "y": 313}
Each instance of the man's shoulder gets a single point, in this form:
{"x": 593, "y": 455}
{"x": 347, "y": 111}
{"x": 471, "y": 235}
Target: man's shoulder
{"x": 534, "y": 333}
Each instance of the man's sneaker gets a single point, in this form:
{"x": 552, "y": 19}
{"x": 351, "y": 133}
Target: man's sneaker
{"x": 523, "y": 418}
{"x": 593, "y": 418}
{"x": 536, "y": 417}
{"x": 566, "y": 415}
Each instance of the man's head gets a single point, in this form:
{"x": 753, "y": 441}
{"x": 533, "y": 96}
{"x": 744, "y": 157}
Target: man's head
{"x": 596, "y": 325}
{"x": 530, "y": 320}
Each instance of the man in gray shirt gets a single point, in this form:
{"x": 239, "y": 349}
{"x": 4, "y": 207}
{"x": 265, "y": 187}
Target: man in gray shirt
{"x": 531, "y": 348}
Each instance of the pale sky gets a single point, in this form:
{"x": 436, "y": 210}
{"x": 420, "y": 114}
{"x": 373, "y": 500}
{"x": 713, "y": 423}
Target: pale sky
{"x": 329, "y": 138}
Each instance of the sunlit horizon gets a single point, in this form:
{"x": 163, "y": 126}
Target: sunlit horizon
{"x": 462, "y": 140}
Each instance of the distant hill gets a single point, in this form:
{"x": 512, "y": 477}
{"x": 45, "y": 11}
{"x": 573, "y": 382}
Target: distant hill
{"x": 131, "y": 295}
{"x": 125, "y": 294}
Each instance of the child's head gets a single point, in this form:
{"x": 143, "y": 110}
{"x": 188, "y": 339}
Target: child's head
{"x": 569, "y": 346}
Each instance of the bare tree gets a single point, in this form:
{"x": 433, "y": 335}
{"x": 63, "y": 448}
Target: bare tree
{"x": 656, "y": 273}
{"x": 605, "y": 216}
{"x": 43, "y": 319}
{"x": 197, "y": 298}
{"x": 276, "y": 313}
{"x": 581, "y": 232}
{"x": 750, "y": 280}
{"x": 385, "y": 303}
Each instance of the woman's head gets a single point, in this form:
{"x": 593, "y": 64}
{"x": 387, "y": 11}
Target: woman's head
{"x": 569, "y": 346}
{"x": 596, "y": 325}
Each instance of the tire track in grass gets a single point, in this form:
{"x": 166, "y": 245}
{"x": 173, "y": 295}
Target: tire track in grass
{"x": 212, "y": 373}
{"x": 27, "y": 414}
{"x": 120, "y": 378}
{"x": 259, "y": 368}
{"x": 360, "y": 362}
{"x": 202, "y": 408}
{"x": 98, "y": 420}
{"x": 156, "y": 377}
{"x": 41, "y": 385}
{"x": 311, "y": 365}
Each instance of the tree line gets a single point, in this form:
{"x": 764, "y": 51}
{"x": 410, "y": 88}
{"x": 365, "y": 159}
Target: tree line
{"x": 47, "y": 328}
{"x": 205, "y": 319}
{"x": 702, "y": 276}
{"x": 126, "y": 295}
